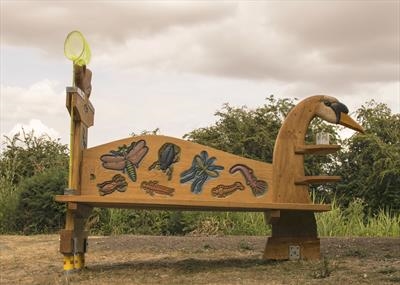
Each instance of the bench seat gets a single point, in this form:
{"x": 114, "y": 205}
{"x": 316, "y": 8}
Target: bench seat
{"x": 108, "y": 202}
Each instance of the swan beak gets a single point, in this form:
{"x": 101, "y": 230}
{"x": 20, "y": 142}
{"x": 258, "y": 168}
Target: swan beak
{"x": 347, "y": 121}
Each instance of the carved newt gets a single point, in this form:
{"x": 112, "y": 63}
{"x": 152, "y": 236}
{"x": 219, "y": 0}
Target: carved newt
{"x": 222, "y": 191}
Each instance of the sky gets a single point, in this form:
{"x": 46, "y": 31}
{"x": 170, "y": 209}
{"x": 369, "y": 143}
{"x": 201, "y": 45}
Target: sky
{"x": 172, "y": 64}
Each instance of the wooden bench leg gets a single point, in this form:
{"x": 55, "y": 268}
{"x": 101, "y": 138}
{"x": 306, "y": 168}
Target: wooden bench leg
{"x": 73, "y": 239}
{"x": 294, "y": 236}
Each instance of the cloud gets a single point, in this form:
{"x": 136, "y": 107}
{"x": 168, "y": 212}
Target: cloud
{"x": 36, "y": 126}
{"x": 330, "y": 45}
{"x": 29, "y": 107}
{"x": 37, "y": 100}
{"x": 105, "y": 22}
{"x": 197, "y": 53}
{"x": 335, "y": 42}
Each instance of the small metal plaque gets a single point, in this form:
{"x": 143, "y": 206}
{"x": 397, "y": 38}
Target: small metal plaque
{"x": 294, "y": 252}
{"x": 69, "y": 191}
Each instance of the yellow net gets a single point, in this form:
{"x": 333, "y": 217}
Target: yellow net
{"x": 77, "y": 49}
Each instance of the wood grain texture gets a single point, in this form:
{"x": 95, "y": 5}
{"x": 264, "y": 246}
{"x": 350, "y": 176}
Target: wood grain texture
{"x": 319, "y": 149}
{"x": 79, "y": 105}
{"x": 94, "y": 173}
{"x": 293, "y": 228}
{"x": 110, "y": 171}
{"x": 306, "y": 180}
{"x": 186, "y": 204}
{"x": 78, "y": 102}
{"x": 289, "y": 150}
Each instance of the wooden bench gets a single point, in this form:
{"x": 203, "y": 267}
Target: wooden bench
{"x": 160, "y": 172}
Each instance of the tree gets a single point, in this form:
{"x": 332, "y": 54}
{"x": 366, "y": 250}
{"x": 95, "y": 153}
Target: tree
{"x": 370, "y": 163}
{"x": 27, "y": 154}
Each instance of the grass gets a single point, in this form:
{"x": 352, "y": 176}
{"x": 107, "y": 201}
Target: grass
{"x": 353, "y": 222}
{"x": 337, "y": 222}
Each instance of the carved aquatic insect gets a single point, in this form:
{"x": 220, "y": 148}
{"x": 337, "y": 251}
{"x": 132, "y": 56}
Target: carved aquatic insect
{"x": 118, "y": 183}
{"x": 202, "y": 169}
{"x": 168, "y": 154}
{"x": 126, "y": 158}
{"x": 258, "y": 187}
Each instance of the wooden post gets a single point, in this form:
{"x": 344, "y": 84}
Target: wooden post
{"x": 73, "y": 239}
{"x": 293, "y": 229}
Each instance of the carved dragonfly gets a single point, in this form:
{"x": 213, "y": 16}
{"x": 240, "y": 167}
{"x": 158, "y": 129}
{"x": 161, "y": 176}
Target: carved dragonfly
{"x": 126, "y": 158}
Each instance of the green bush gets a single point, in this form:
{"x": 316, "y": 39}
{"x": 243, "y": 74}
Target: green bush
{"x": 127, "y": 221}
{"x": 37, "y": 211}
{"x": 30, "y": 167}
{"x": 9, "y": 196}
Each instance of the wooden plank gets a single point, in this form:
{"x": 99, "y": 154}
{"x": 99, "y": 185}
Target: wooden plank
{"x": 131, "y": 170}
{"x": 83, "y": 108}
{"x": 97, "y": 201}
{"x": 319, "y": 149}
{"x": 305, "y": 180}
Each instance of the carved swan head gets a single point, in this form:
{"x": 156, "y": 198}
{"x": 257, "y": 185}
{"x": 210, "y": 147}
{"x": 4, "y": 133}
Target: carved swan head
{"x": 332, "y": 111}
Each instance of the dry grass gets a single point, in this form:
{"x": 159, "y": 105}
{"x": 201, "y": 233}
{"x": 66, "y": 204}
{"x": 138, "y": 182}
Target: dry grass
{"x": 131, "y": 259}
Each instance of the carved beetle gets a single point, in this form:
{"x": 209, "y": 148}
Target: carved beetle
{"x": 168, "y": 154}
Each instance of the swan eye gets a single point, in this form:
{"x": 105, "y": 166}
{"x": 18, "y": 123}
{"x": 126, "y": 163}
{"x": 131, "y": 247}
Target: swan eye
{"x": 327, "y": 103}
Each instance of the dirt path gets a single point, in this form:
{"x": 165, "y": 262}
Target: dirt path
{"x": 130, "y": 259}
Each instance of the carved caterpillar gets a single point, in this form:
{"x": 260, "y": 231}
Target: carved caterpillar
{"x": 222, "y": 191}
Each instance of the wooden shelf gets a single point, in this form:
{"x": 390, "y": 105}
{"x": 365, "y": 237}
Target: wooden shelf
{"x": 305, "y": 180}
{"x": 316, "y": 149}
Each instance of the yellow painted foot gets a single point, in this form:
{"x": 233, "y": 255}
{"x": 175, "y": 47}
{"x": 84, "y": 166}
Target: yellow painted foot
{"x": 68, "y": 262}
{"x": 79, "y": 261}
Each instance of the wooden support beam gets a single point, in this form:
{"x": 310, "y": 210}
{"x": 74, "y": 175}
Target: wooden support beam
{"x": 305, "y": 180}
{"x": 293, "y": 229}
{"x": 271, "y": 216}
{"x": 78, "y": 102}
{"x": 320, "y": 149}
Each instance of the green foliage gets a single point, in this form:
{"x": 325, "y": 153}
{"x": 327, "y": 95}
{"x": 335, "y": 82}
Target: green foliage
{"x": 350, "y": 222}
{"x": 9, "y": 196}
{"x": 36, "y": 211}
{"x": 123, "y": 221}
{"x": 126, "y": 221}
{"x": 231, "y": 223}
{"x": 252, "y": 134}
{"x": 26, "y": 156}
{"x": 370, "y": 163}
{"x": 245, "y": 132}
